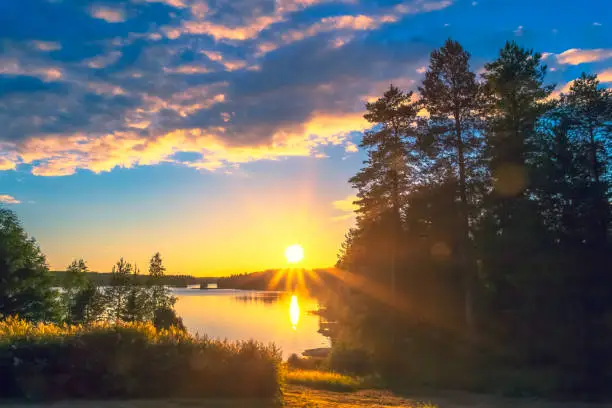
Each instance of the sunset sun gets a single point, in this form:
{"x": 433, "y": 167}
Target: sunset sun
{"x": 294, "y": 253}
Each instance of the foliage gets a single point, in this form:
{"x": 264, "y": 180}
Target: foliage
{"x": 346, "y": 359}
{"x": 129, "y": 360}
{"x": 504, "y": 223}
{"x": 25, "y": 284}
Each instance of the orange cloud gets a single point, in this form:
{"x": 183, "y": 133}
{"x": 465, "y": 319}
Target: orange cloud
{"x": 362, "y": 22}
{"x": 222, "y": 32}
{"x": 230, "y": 65}
{"x": 576, "y": 56}
{"x": 187, "y": 69}
{"x": 110, "y": 15}
{"x": 7, "y": 199}
{"x": 101, "y": 61}
{"x": 61, "y": 155}
{"x": 605, "y": 76}
{"x": 6, "y": 164}
{"x": 13, "y": 67}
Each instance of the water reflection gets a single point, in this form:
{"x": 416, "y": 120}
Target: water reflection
{"x": 294, "y": 312}
{"x": 262, "y": 316}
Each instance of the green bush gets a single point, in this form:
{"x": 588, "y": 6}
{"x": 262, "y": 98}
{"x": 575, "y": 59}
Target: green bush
{"x": 304, "y": 363}
{"x": 46, "y": 361}
{"x": 346, "y": 359}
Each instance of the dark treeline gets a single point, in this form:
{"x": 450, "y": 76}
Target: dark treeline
{"x": 105, "y": 278}
{"x": 316, "y": 281}
{"x": 483, "y": 227}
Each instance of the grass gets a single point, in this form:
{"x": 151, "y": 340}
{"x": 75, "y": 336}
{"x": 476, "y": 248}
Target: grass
{"x": 324, "y": 380}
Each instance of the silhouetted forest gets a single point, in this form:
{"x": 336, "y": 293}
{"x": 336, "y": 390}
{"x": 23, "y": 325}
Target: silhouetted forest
{"x": 481, "y": 254}
{"x": 105, "y": 278}
{"x": 279, "y": 279}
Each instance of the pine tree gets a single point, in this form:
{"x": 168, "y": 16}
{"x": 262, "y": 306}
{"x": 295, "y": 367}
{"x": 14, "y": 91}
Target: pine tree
{"x": 452, "y": 97}
{"x": 383, "y": 182}
{"x": 589, "y": 110}
{"x": 74, "y": 282}
{"x": 137, "y": 302}
{"x": 119, "y": 289}
{"x": 160, "y": 295}
{"x": 25, "y": 283}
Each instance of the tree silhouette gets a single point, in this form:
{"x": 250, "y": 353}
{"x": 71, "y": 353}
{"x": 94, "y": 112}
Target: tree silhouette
{"x": 452, "y": 96}
{"x": 25, "y": 283}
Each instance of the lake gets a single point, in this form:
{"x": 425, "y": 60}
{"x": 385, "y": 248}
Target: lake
{"x": 278, "y": 317}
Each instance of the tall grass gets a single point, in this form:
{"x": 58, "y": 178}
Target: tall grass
{"x": 325, "y": 380}
{"x": 47, "y": 361}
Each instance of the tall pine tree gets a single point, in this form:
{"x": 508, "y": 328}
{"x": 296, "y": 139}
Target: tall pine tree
{"x": 452, "y": 97}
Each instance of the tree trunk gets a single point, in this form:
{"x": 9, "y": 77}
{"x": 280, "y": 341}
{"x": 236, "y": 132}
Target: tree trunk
{"x": 465, "y": 229}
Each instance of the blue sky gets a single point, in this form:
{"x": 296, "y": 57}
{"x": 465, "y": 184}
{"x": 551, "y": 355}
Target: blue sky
{"x": 219, "y": 132}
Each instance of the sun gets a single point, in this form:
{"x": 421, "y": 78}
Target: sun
{"x": 294, "y": 253}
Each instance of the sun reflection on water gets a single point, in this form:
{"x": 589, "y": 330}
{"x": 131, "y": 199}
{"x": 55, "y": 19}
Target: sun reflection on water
{"x": 294, "y": 311}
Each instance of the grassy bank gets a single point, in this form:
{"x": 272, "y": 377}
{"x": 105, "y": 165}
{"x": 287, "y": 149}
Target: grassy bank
{"x": 47, "y": 361}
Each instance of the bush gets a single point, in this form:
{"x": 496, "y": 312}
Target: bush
{"x": 304, "y": 363}
{"x": 45, "y": 361}
{"x": 346, "y": 359}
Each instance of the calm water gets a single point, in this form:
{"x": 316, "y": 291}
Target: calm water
{"x": 276, "y": 317}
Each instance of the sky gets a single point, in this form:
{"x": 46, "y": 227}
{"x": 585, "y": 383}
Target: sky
{"x": 220, "y": 132}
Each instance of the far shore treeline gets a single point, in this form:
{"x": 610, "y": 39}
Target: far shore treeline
{"x": 105, "y": 278}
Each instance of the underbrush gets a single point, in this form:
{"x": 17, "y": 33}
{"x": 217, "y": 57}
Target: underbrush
{"x": 46, "y": 361}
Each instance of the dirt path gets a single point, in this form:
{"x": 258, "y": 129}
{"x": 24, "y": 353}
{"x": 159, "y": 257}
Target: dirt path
{"x": 302, "y": 397}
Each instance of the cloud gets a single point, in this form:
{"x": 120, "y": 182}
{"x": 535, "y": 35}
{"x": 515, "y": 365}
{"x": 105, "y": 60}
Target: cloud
{"x": 605, "y": 76}
{"x": 362, "y": 22}
{"x": 107, "y": 14}
{"x": 7, "y": 199}
{"x": 576, "y": 56}
{"x": 6, "y": 164}
{"x": 103, "y": 60}
{"x": 215, "y": 80}
{"x": 347, "y": 206}
{"x": 350, "y": 147}
{"x": 519, "y": 31}
{"x": 46, "y": 45}
{"x": 223, "y": 32}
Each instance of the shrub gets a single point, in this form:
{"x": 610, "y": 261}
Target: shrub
{"x": 304, "y": 363}
{"x": 45, "y": 361}
{"x": 346, "y": 359}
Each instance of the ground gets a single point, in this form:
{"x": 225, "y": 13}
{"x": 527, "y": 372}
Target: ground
{"x": 302, "y": 397}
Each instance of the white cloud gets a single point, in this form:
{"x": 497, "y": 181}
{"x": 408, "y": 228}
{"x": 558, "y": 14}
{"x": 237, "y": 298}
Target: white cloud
{"x": 519, "y": 31}
{"x": 576, "y": 56}
{"x": 7, "y": 199}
